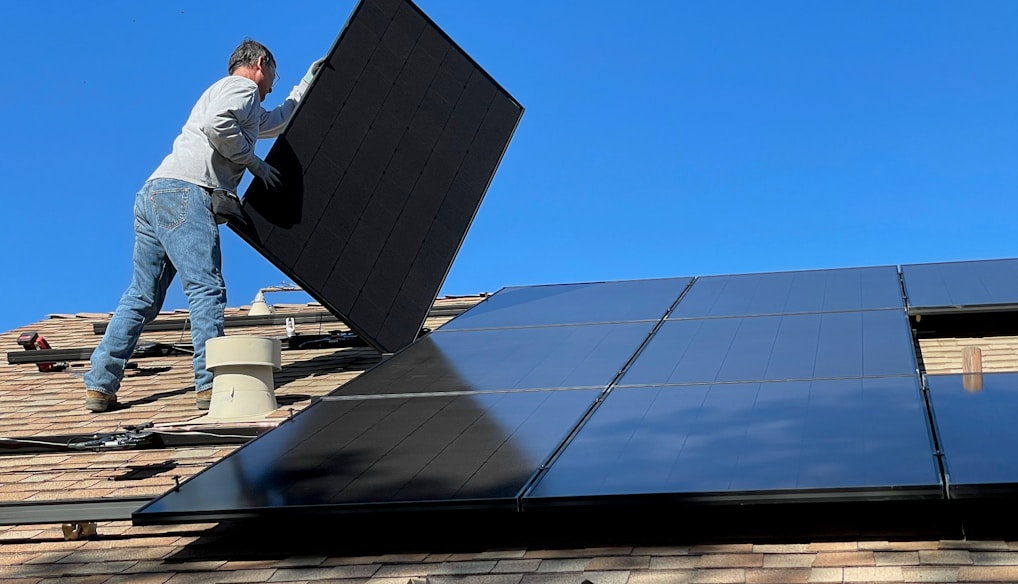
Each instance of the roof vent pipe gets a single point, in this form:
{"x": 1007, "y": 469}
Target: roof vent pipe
{"x": 258, "y": 306}
{"x": 242, "y": 383}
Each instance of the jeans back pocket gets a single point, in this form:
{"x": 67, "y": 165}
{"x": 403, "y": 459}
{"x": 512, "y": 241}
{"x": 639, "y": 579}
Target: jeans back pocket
{"x": 169, "y": 206}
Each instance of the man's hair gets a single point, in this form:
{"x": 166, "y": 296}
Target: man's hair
{"x": 247, "y": 55}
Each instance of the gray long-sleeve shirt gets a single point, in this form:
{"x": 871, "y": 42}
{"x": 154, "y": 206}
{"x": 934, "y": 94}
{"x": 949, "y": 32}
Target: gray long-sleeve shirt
{"x": 218, "y": 140}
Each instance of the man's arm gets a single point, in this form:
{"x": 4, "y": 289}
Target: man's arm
{"x": 273, "y": 122}
{"x": 229, "y": 125}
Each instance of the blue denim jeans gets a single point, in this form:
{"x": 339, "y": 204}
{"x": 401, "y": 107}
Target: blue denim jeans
{"x": 174, "y": 232}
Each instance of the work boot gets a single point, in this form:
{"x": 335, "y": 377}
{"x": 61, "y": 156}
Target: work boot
{"x": 99, "y": 401}
{"x": 203, "y": 399}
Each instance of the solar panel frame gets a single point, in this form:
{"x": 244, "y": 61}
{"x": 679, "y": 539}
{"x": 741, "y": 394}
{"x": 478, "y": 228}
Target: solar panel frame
{"x": 949, "y": 287}
{"x": 384, "y": 164}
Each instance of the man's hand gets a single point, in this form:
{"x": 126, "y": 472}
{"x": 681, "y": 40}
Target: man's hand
{"x": 264, "y": 171}
{"x": 313, "y": 70}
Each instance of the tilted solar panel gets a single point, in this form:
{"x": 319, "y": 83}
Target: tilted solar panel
{"x": 384, "y": 166}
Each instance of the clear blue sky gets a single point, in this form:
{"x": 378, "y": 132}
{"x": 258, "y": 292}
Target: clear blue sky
{"x": 679, "y": 138}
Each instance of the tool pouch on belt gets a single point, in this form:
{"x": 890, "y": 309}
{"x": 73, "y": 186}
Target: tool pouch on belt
{"x": 226, "y": 207}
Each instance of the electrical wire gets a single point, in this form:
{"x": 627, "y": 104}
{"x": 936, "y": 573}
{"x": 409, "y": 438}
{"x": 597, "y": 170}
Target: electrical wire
{"x": 200, "y": 433}
{"x": 30, "y": 441}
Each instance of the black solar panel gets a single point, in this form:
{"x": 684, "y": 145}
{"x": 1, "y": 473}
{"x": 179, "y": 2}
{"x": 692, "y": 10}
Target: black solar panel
{"x": 954, "y": 286}
{"x": 978, "y": 433}
{"x": 792, "y": 292}
{"x": 573, "y": 304}
{"x": 874, "y": 343}
{"x": 412, "y": 453}
{"x": 508, "y": 359}
{"x": 385, "y": 163}
{"x": 844, "y": 438}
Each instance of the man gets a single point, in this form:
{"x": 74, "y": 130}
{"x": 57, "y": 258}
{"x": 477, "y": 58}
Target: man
{"x": 175, "y": 229}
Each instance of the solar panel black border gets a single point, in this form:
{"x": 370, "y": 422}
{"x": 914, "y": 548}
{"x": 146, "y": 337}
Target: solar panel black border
{"x": 384, "y": 166}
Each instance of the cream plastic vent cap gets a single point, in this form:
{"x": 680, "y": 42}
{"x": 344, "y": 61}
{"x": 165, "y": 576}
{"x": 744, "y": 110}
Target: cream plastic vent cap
{"x": 242, "y": 383}
{"x": 258, "y": 306}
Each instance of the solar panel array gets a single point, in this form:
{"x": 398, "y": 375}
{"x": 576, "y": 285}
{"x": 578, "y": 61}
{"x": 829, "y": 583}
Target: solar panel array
{"x": 464, "y": 417}
{"x": 789, "y": 387}
{"x": 758, "y": 387}
{"x": 384, "y": 166}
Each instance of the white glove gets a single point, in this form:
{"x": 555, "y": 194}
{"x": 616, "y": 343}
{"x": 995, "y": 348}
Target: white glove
{"x": 313, "y": 70}
{"x": 264, "y": 171}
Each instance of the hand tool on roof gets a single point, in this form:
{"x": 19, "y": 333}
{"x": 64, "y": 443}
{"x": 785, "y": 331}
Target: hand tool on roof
{"x": 32, "y": 341}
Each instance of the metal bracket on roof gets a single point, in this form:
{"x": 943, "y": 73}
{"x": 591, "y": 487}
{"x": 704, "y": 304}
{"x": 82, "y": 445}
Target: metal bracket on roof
{"x": 181, "y": 324}
{"x": 84, "y": 354}
{"x": 71, "y": 512}
{"x": 48, "y": 355}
